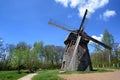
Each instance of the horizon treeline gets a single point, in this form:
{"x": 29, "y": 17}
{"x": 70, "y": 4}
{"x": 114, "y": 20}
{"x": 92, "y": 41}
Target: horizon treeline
{"x": 23, "y": 56}
{"x": 40, "y": 56}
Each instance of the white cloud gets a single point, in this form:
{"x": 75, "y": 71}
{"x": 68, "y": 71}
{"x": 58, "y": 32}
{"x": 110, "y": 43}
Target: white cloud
{"x": 99, "y": 38}
{"x": 107, "y": 14}
{"x": 64, "y": 2}
{"x": 74, "y": 3}
{"x": 82, "y": 5}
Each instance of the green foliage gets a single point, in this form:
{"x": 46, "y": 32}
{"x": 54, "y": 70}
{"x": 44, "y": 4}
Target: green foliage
{"x": 99, "y": 58}
{"x": 49, "y": 54}
{"x": 117, "y": 54}
{"x": 23, "y": 56}
{"x": 50, "y": 66}
{"x": 17, "y": 55}
{"x": 35, "y": 56}
{"x": 10, "y": 75}
{"x": 104, "y": 57}
{"x": 3, "y": 55}
{"x": 52, "y": 56}
{"x": 47, "y": 75}
{"x": 108, "y": 38}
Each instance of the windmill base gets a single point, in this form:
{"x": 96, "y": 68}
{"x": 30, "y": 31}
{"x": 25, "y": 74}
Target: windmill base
{"x": 82, "y": 59}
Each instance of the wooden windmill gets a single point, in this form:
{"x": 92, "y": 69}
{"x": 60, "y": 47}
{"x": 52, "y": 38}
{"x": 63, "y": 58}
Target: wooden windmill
{"x": 76, "y": 55}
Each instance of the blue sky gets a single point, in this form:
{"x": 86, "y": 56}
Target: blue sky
{"x": 27, "y": 20}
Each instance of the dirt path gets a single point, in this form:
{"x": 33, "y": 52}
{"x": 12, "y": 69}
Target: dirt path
{"x": 28, "y": 77}
{"x": 93, "y": 76}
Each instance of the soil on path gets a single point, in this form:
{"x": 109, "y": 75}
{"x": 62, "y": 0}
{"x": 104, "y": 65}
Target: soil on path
{"x": 93, "y": 76}
{"x": 28, "y": 77}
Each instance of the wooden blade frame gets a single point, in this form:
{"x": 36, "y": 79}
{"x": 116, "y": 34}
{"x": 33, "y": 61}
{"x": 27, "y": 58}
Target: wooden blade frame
{"x": 60, "y": 26}
{"x": 96, "y": 41}
{"x": 81, "y": 29}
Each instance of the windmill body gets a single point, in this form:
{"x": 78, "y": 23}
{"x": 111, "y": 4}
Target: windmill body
{"x": 82, "y": 58}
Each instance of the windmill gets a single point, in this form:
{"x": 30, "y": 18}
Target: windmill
{"x": 76, "y": 55}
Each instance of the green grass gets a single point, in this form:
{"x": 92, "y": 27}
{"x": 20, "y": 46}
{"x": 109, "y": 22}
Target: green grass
{"x": 11, "y": 75}
{"x": 47, "y": 75}
{"x": 44, "y": 74}
{"x": 53, "y": 74}
{"x": 86, "y": 72}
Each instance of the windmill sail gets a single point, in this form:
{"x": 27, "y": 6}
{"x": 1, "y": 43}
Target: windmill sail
{"x": 96, "y": 41}
{"x": 72, "y": 62}
{"x": 60, "y": 26}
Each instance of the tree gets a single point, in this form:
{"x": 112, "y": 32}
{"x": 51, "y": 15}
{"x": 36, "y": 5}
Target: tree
{"x": 12, "y": 52}
{"x": 59, "y": 51}
{"x": 27, "y": 59}
{"x": 103, "y": 56}
{"x": 39, "y": 49}
{"x": 116, "y": 57}
{"x": 4, "y": 49}
{"x": 17, "y": 55}
{"x": 108, "y": 40}
{"x": 117, "y": 50}
{"x": 53, "y": 56}
{"x": 49, "y": 54}
{"x": 118, "y": 54}
{"x": 24, "y": 56}
{"x": 34, "y": 56}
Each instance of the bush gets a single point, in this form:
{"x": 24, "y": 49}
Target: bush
{"x": 50, "y": 66}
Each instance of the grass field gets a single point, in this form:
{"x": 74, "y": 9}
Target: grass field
{"x": 85, "y": 72}
{"x": 11, "y": 75}
{"x": 44, "y": 74}
{"x": 53, "y": 74}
